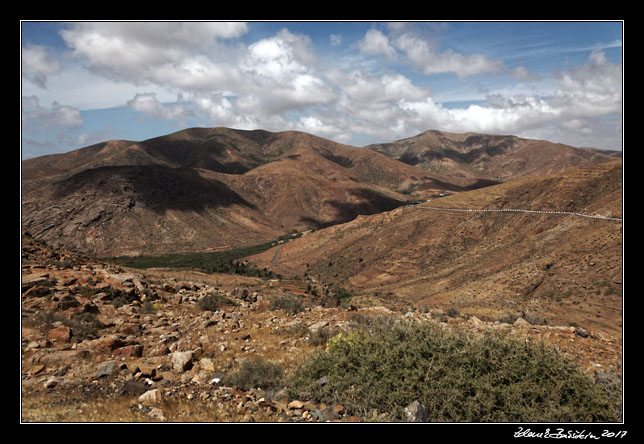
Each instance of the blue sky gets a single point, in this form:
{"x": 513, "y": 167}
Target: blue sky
{"x": 352, "y": 82}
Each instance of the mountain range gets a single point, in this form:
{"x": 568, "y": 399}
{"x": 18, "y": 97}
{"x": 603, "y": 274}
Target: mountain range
{"x": 205, "y": 189}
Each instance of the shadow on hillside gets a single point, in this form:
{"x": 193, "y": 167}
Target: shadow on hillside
{"x": 156, "y": 187}
{"x": 371, "y": 202}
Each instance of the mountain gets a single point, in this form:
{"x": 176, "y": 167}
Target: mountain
{"x": 203, "y": 189}
{"x": 560, "y": 267}
{"x": 489, "y": 157}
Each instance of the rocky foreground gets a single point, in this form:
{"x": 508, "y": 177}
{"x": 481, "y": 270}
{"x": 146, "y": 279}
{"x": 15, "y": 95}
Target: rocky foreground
{"x": 104, "y": 344}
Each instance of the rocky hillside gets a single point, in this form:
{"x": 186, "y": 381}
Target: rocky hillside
{"x": 554, "y": 266}
{"x": 496, "y": 158}
{"x": 100, "y": 343}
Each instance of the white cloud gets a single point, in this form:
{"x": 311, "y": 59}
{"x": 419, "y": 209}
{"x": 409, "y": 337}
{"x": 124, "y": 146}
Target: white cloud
{"x": 37, "y": 65}
{"x": 149, "y": 105}
{"x": 522, "y": 73}
{"x": 135, "y": 52}
{"x": 426, "y": 58}
{"x": 592, "y": 89}
{"x": 376, "y": 43}
{"x": 278, "y": 82}
{"x": 570, "y": 115}
{"x": 34, "y": 115}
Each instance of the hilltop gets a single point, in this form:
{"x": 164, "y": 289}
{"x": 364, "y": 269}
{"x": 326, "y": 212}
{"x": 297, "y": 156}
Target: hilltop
{"x": 495, "y": 158}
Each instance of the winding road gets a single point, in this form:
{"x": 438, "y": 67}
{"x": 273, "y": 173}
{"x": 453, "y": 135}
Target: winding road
{"x": 469, "y": 210}
{"x": 511, "y": 210}
{"x": 277, "y": 264}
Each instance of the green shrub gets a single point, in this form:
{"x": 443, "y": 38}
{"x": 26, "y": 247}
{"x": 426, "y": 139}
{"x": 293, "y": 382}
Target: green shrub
{"x": 452, "y": 312}
{"x": 289, "y": 303}
{"x": 256, "y": 373}
{"x": 321, "y": 336}
{"x": 45, "y": 320}
{"x": 85, "y": 326}
{"x": 122, "y": 298}
{"x": 214, "y": 302}
{"x": 509, "y": 318}
{"x": 147, "y": 308}
{"x": 456, "y": 377}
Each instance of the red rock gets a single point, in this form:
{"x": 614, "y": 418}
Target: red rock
{"x": 60, "y": 334}
{"x": 131, "y": 329}
{"x": 135, "y": 350}
{"x": 109, "y": 344}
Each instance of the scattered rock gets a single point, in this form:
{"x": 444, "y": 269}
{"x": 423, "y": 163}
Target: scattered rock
{"x": 129, "y": 351}
{"x": 520, "y": 322}
{"x": 295, "y": 405}
{"x": 151, "y": 397}
{"x": 51, "y": 382}
{"x": 581, "y": 332}
{"x": 318, "y": 325}
{"x": 108, "y": 369}
{"x": 416, "y": 412}
{"x": 156, "y": 413}
{"x": 181, "y": 361}
{"x": 109, "y": 343}
{"x": 62, "y": 334}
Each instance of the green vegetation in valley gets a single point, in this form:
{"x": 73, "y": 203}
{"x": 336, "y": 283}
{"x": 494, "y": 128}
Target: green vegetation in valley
{"x": 228, "y": 261}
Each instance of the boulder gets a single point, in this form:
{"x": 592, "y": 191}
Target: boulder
{"x": 109, "y": 344}
{"x": 130, "y": 351}
{"x": 181, "y": 361}
{"x": 151, "y": 397}
{"x": 108, "y": 369}
{"x": 62, "y": 334}
{"x": 318, "y": 325}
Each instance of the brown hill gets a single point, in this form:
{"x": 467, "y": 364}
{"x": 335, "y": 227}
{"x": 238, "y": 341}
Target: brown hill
{"x": 492, "y": 157}
{"x": 555, "y": 268}
{"x": 202, "y": 189}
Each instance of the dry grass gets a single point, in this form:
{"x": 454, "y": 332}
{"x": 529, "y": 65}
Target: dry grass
{"x": 50, "y": 408}
{"x": 55, "y": 408}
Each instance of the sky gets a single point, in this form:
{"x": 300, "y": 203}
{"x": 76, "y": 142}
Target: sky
{"x": 351, "y": 82}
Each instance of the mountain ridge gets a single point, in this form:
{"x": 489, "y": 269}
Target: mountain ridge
{"x": 488, "y": 156}
{"x": 214, "y": 188}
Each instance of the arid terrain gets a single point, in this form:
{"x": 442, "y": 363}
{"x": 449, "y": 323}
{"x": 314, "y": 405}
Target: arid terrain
{"x": 486, "y": 234}
{"x": 564, "y": 267}
{"x": 158, "y": 356}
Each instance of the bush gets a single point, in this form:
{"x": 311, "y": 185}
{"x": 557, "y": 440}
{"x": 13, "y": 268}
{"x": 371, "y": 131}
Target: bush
{"x": 456, "y": 377}
{"x": 289, "y": 303}
{"x": 147, "y": 308}
{"x": 120, "y": 298}
{"x": 335, "y": 297}
{"x": 509, "y": 318}
{"x": 321, "y": 336}
{"x": 452, "y": 312}
{"x": 214, "y": 302}
{"x": 85, "y": 326}
{"x": 256, "y": 373}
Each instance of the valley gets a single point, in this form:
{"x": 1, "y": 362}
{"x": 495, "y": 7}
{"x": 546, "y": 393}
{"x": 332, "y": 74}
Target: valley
{"x": 124, "y": 243}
